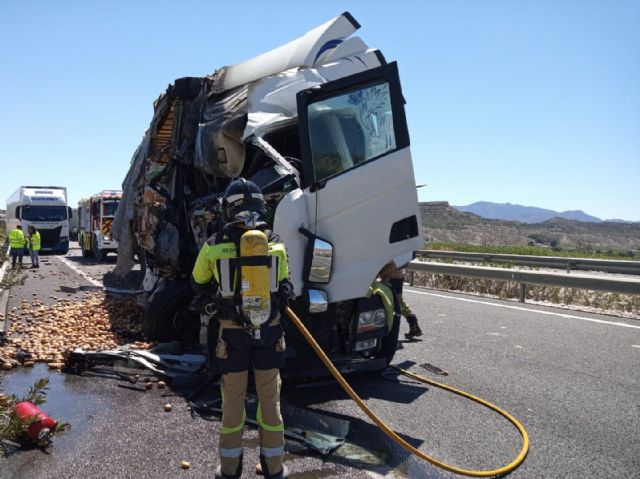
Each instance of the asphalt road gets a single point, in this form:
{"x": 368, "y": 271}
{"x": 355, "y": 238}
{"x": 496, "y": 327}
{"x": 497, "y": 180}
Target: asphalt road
{"x": 571, "y": 379}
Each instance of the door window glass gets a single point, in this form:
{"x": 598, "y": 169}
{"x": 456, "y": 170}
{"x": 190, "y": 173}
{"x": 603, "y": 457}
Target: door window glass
{"x": 350, "y": 129}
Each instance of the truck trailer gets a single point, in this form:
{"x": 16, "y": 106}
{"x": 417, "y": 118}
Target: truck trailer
{"x": 95, "y": 218}
{"x": 319, "y": 124}
{"x": 45, "y": 208}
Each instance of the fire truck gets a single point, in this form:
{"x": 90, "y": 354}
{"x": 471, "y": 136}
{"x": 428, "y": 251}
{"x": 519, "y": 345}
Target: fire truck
{"x": 95, "y": 216}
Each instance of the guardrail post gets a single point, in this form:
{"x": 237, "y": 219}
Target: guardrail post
{"x": 411, "y": 277}
{"x": 523, "y": 292}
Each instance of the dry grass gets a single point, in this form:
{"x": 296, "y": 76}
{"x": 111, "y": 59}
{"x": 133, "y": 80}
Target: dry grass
{"x": 625, "y": 305}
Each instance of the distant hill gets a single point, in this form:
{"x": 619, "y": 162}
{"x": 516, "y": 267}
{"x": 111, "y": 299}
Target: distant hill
{"x": 442, "y": 222}
{"x": 523, "y": 214}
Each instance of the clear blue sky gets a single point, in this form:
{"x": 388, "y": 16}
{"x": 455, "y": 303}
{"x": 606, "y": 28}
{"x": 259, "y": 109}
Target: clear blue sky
{"x": 528, "y": 102}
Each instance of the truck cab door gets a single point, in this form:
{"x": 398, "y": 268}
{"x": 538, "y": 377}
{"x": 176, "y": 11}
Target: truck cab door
{"x": 358, "y": 176}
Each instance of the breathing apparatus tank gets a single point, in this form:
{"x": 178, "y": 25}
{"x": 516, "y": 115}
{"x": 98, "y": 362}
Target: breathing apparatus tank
{"x": 255, "y": 277}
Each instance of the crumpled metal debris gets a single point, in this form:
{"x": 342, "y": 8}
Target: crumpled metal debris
{"x": 319, "y": 432}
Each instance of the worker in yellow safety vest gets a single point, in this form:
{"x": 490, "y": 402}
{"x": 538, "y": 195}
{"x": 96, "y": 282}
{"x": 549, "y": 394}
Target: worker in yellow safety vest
{"x": 245, "y": 267}
{"x": 33, "y": 240}
{"x": 17, "y": 244}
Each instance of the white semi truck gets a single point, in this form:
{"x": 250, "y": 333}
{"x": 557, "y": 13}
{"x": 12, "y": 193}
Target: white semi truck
{"x": 95, "y": 217}
{"x": 319, "y": 124}
{"x": 44, "y": 207}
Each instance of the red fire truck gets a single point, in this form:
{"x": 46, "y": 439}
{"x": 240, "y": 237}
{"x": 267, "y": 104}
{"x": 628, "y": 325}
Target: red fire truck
{"x": 95, "y": 216}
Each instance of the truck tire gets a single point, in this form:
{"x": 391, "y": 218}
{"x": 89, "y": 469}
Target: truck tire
{"x": 98, "y": 254}
{"x": 390, "y": 341}
{"x": 168, "y": 318}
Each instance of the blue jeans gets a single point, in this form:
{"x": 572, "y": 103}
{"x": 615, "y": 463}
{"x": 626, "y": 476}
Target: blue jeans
{"x": 35, "y": 258}
{"x": 16, "y": 254}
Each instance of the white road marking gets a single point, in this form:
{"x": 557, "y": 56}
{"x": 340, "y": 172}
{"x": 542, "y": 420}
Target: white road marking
{"x": 518, "y": 308}
{"x": 635, "y": 345}
{"x": 79, "y": 271}
{"x": 495, "y": 334}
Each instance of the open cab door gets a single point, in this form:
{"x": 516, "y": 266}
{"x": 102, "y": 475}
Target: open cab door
{"x": 361, "y": 192}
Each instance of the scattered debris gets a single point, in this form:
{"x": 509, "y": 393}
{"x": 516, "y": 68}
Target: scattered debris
{"x": 434, "y": 369}
{"x": 161, "y": 384}
{"x": 42, "y": 333}
{"x": 185, "y": 464}
{"x": 23, "y": 423}
{"x": 168, "y": 407}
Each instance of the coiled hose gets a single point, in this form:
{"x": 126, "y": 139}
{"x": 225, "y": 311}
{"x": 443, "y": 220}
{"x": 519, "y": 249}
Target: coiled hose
{"x": 395, "y": 437}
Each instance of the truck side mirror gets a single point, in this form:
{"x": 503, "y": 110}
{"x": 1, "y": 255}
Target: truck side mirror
{"x": 70, "y": 212}
{"x": 321, "y": 261}
{"x": 18, "y": 212}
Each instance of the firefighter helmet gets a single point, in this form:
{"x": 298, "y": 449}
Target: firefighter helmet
{"x": 243, "y": 202}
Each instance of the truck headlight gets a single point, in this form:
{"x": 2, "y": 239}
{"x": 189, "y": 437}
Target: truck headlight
{"x": 366, "y": 344}
{"x": 371, "y": 320}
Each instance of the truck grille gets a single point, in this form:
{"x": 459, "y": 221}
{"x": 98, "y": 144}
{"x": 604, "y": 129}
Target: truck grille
{"x": 50, "y": 238}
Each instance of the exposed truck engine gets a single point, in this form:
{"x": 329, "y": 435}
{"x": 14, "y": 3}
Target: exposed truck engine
{"x": 319, "y": 125}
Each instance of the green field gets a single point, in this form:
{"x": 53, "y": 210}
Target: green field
{"x": 533, "y": 251}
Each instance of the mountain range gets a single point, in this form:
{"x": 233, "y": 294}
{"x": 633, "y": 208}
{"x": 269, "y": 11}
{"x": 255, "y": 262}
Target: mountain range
{"x": 527, "y": 214}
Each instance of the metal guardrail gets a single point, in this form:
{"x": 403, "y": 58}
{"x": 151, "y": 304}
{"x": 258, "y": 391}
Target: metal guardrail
{"x": 582, "y": 281}
{"x": 558, "y": 262}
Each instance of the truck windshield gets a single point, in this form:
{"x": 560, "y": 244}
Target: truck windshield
{"x": 110, "y": 207}
{"x": 350, "y": 129}
{"x": 44, "y": 213}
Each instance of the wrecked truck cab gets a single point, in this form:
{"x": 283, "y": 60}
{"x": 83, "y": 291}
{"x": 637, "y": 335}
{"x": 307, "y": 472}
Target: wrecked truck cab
{"x": 319, "y": 125}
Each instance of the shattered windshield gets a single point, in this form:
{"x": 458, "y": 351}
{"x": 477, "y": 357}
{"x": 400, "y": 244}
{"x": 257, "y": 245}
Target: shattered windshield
{"x": 350, "y": 129}
{"x": 44, "y": 213}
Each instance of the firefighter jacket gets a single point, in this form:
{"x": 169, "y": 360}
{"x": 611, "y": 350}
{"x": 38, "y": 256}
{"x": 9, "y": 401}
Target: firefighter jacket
{"x": 34, "y": 241}
{"x": 16, "y": 239}
{"x": 218, "y": 262}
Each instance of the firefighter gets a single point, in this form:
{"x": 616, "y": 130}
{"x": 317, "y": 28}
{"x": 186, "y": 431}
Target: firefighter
{"x": 394, "y": 277}
{"x": 34, "y": 243}
{"x": 248, "y": 335}
{"x": 17, "y": 244}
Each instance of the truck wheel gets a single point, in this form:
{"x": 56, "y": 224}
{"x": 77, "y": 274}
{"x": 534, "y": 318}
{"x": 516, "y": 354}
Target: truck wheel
{"x": 98, "y": 254}
{"x": 390, "y": 341}
{"x": 168, "y": 317}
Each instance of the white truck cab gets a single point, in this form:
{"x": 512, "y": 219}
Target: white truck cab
{"x": 45, "y": 208}
{"x": 319, "y": 125}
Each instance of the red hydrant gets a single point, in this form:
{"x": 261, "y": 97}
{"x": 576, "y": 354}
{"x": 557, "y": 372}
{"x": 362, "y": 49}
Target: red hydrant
{"x": 42, "y": 427}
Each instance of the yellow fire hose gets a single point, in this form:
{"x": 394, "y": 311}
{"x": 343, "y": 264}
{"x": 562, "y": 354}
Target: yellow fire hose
{"x": 395, "y": 437}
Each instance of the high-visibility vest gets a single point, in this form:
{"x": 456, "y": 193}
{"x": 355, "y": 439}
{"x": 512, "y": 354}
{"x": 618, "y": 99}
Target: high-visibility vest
{"x": 34, "y": 241}
{"x": 218, "y": 261}
{"x": 16, "y": 239}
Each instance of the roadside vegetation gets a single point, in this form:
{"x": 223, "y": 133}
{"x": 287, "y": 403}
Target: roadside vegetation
{"x": 533, "y": 250}
{"x": 624, "y": 305}
{"x": 3, "y": 241}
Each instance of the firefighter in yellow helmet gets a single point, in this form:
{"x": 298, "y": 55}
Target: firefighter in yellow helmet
{"x": 249, "y": 334}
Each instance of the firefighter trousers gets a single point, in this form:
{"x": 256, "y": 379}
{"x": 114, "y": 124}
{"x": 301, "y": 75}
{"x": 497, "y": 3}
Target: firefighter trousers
{"x": 235, "y": 352}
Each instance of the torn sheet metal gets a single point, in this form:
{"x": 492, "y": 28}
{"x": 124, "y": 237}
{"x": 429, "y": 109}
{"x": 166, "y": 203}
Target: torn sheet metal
{"x": 167, "y": 365}
{"x": 272, "y": 101}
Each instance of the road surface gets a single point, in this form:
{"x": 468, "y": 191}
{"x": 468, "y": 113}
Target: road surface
{"x": 571, "y": 378}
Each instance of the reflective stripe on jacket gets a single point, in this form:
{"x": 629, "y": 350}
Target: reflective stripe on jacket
{"x": 16, "y": 239}
{"x": 205, "y": 269}
{"x": 34, "y": 241}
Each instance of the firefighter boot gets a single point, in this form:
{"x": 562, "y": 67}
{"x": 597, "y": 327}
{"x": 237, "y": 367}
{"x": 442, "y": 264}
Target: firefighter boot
{"x": 414, "y": 329}
{"x": 221, "y": 475}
